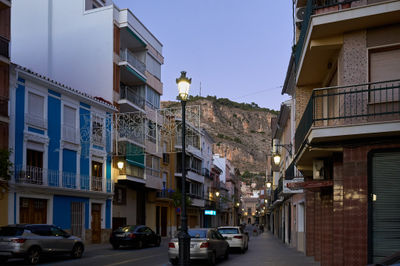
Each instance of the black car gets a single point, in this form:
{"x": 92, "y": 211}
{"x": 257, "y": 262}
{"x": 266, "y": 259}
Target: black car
{"x": 134, "y": 235}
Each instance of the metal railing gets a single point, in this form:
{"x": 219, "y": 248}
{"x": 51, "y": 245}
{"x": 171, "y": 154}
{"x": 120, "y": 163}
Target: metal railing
{"x": 97, "y": 183}
{"x": 278, "y": 189}
{"x": 350, "y": 105}
{"x": 289, "y": 173}
{"x": 129, "y": 94}
{"x": 128, "y": 56}
{"x": 4, "y": 47}
{"x": 205, "y": 172}
{"x": 165, "y": 194}
{"x": 52, "y": 178}
{"x": 312, "y": 7}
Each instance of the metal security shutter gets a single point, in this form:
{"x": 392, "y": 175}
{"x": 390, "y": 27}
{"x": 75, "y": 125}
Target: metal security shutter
{"x": 77, "y": 219}
{"x": 385, "y": 205}
{"x": 384, "y": 65}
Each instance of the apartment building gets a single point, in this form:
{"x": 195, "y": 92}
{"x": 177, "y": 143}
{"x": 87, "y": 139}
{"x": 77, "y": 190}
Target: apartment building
{"x": 5, "y": 11}
{"x": 345, "y": 75}
{"x": 94, "y": 46}
{"x": 61, "y": 141}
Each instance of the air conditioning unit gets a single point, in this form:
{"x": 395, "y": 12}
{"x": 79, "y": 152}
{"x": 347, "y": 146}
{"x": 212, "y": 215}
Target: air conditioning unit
{"x": 318, "y": 170}
{"x": 300, "y": 13}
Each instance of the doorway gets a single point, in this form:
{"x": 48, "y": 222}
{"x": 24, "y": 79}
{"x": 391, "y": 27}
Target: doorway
{"x": 96, "y": 223}
{"x": 164, "y": 217}
{"x": 32, "y": 211}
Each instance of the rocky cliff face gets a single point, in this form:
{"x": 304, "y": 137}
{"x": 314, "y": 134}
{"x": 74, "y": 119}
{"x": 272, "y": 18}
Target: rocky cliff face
{"x": 243, "y": 135}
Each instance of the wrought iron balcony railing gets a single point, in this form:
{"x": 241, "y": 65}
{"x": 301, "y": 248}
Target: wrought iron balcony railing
{"x": 350, "y": 105}
{"x": 128, "y": 56}
{"x": 165, "y": 194}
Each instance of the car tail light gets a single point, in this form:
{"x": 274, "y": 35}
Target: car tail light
{"x": 204, "y": 245}
{"x": 238, "y": 237}
{"x": 18, "y": 240}
{"x": 171, "y": 245}
{"x": 132, "y": 235}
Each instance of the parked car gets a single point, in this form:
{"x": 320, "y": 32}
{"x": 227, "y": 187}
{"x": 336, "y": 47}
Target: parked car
{"x": 205, "y": 244}
{"x": 235, "y": 236}
{"x": 31, "y": 241}
{"x": 134, "y": 235}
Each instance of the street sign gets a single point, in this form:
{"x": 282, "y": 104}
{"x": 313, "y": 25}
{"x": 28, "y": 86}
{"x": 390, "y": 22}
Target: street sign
{"x": 210, "y": 212}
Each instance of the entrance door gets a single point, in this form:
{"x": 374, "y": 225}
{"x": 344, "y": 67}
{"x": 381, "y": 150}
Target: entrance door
{"x": 96, "y": 223}
{"x": 32, "y": 211}
{"x": 158, "y": 219}
{"x": 164, "y": 218}
{"x": 77, "y": 214}
{"x": 384, "y": 207}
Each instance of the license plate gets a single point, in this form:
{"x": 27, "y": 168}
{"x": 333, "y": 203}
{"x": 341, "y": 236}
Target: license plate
{"x": 229, "y": 238}
{"x": 119, "y": 235}
{"x": 192, "y": 245}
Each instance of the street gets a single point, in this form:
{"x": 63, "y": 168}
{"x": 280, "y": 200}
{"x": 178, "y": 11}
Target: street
{"x": 264, "y": 249}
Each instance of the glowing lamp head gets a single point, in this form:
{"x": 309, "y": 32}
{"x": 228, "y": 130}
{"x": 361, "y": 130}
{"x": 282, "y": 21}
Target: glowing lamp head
{"x": 120, "y": 165}
{"x": 217, "y": 193}
{"x": 277, "y": 159}
{"x": 183, "y": 83}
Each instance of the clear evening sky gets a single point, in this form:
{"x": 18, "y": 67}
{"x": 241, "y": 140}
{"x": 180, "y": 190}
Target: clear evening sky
{"x": 237, "y": 49}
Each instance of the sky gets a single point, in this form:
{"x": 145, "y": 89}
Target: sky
{"x": 236, "y": 49}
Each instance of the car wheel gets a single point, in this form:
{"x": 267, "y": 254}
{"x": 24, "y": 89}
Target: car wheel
{"x": 77, "y": 251}
{"x": 115, "y": 246}
{"x": 174, "y": 261}
{"x": 158, "y": 242}
{"x": 226, "y": 255}
{"x": 33, "y": 256}
{"x": 140, "y": 244}
{"x": 212, "y": 259}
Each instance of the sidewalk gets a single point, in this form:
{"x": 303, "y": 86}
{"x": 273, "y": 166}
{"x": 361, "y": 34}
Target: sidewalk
{"x": 266, "y": 249}
{"x": 91, "y": 247}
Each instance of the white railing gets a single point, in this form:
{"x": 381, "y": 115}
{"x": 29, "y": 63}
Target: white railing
{"x": 33, "y": 175}
{"x": 70, "y": 134}
{"x": 128, "y": 56}
{"x": 36, "y": 121}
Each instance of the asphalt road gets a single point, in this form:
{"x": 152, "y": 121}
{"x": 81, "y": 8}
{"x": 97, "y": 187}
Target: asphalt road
{"x": 264, "y": 249}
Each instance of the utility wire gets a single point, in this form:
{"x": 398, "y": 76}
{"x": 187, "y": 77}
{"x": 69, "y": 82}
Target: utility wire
{"x": 257, "y": 92}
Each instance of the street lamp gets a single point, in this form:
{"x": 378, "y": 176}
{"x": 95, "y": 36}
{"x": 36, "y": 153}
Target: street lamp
{"x": 184, "y": 239}
{"x": 120, "y": 165}
{"x": 217, "y": 193}
{"x": 265, "y": 201}
{"x": 269, "y": 184}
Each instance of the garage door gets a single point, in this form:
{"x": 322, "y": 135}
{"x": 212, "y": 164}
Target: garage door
{"x": 385, "y": 205}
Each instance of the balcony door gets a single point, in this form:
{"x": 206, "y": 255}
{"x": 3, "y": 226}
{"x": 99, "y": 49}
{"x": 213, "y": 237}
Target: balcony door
{"x": 34, "y": 167}
{"x": 384, "y": 207}
{"x": 32, "y": 211}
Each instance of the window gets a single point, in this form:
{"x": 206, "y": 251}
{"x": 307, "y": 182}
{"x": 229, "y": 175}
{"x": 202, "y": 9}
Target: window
{"x": 153, "y": 66}
{"x": 69, "y": 126}
{"x": 35, "y": 114}
{"x": 152, "y": 165}
{"x": 152, "y": 98}
{"x": 97, "y": 176}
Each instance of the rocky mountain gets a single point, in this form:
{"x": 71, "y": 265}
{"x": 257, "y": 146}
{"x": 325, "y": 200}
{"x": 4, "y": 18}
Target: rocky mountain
{"x": 241, "y": 131}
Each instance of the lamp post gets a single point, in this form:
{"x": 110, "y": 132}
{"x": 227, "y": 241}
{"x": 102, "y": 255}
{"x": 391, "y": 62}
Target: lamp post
{"x": 184, "y": 239}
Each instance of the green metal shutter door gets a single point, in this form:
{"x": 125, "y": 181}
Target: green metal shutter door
{"x": 386, "y": 207}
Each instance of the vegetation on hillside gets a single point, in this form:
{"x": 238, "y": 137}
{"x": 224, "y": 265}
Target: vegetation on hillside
{"x": 226, "y": 102}
{"x": 258, "y": 178}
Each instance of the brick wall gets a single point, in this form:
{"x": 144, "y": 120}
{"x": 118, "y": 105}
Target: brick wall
{"x": 302, "y": 97}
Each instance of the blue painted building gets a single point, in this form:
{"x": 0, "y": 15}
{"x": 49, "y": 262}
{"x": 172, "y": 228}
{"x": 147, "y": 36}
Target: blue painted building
{"x": 62, "y": 146}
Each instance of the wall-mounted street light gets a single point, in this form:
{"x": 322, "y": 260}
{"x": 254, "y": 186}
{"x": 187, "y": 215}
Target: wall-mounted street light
{"x": 217, "y": 193}
{"x": 265, "y": 201}
{"x": 183, "y": 83}
{"x": 237, "y": 204}
{"x": 120, "y": 165}
{"x": 276, "y": 154}
{"x": 269, "y": 184}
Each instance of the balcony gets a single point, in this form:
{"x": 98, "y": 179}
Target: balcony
{"x": 4, "y": 47}
{"x": 37, "y": 176}
{"x": 130, "y": 100}
{"x": 36, "y": 121}
{"x": 165, "y": 194}
{"x": 206, "y": 173}
{"x": 346, "y": 112}
{"x": 323, "y": 27}
{"x": 128, "y": 56}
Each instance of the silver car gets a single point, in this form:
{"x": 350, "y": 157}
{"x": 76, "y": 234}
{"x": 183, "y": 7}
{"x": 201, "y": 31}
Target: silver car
{"x": 235, "y": 236}
{"x": 205, "y": 244}
{"x": 31, "y": 241}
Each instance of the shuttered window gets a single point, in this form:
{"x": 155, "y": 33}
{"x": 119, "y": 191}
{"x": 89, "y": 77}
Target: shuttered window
{"x": 385, "y": 205}
{"x": 36, "y": 105}
{"x": 384, "y": 65}
{"x": 69, "y": 116}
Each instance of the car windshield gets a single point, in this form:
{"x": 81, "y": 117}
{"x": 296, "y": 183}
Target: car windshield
{"x": 228, "y": 231}
{"x": 11, "y": 231}
{"x": 198, "y": 233}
